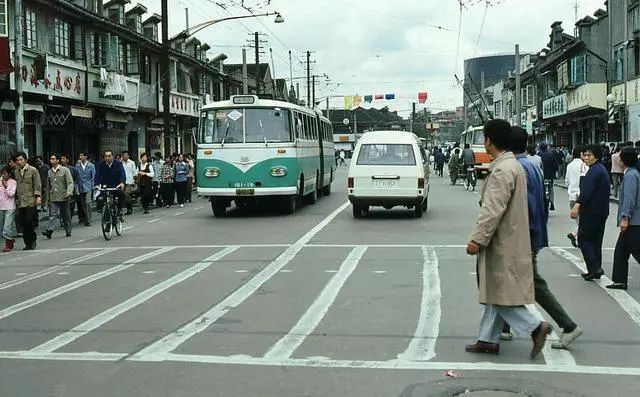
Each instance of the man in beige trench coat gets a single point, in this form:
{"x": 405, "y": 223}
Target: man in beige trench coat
{"x": 501, "y": 241}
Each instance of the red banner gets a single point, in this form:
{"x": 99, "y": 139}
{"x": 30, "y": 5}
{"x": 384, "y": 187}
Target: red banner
{"x": 5, "y": 56}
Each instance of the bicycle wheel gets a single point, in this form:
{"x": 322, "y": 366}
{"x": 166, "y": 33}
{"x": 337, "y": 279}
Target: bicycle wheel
{"x": 107, "y": 229}
{"x": 473, "y": 180}
{"x": 118, "y": 223}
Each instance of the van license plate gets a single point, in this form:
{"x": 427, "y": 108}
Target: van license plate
{"x": 384, "y": 183}
{"x": 245, "y": 192}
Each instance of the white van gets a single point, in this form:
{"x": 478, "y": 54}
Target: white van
{"x": 388, "y": 169}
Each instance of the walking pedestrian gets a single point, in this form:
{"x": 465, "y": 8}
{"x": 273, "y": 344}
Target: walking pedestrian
{"x": 549, "y": 169}
{"x": 130, "y": 170}
{"x": 439, "y": 160}
{"x": 28, "y": 198}
{"x": 145, "y": 176}
{"x": 8, "y": 187}
{"x": 576, "y": 169}
{"x": 454, "y": 166}
{"x": 60, "y": 184}
{"x": 500, "y": 238}
{"x": 181, "y": 175}
{"x": 343, "y": 157}
{"x": 538, "y": 235}
{"x": 616, "y": 170}
{"x": 533, "y": 156}
{"x": 86, "y": 175}
{"x": 190, "y": 177}
{"x": 43, "y": 171}
{"x": 157, "y": 166}
{"x": 592, "y": 206}
{"x": 628, "y": 243}
{"x": 64, "y": 161}
{"x": 167, "y": 175}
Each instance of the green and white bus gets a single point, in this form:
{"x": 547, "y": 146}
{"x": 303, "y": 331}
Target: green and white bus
{"x": 252, "y": 150}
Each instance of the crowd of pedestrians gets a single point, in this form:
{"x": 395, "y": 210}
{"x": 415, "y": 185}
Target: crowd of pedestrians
{"x": 514, "y": 209}
{"x": 62, "y": 189}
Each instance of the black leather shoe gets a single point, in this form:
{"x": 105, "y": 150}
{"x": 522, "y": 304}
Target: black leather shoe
{"x": 574, "y": 242}
{"x": 483, "y": 347}
{"x": 621, "y": 286}
{"x": 47, "y": 234}
{"x": 593, "y": 276}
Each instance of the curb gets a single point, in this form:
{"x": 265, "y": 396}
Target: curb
{"x": 611, "y": 198}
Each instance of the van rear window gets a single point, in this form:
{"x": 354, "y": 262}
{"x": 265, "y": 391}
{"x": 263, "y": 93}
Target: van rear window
{"x": 386, "y": 154}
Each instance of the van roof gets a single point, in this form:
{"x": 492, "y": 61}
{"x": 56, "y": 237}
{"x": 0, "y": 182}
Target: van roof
{"x": 389, "y": 137}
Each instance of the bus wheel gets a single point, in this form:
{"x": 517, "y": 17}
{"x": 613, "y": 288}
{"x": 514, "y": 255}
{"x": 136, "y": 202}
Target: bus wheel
{"x": 289, "y": 204}
{"x": 219, "y": 207}
{"x": 312, "y": 197}
{"x": 327, "y": 190}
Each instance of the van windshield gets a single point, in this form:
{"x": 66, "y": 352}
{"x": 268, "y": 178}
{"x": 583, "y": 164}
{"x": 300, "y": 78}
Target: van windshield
{"x": 386, "y": 154}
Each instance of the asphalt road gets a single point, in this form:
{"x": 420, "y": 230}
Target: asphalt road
{"x": 313, "y": 304}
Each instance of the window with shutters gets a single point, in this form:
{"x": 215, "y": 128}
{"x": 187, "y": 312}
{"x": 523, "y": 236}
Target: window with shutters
{"x": 98, "y": 43}
{"x": 30, "y": 29}
{"x": 618, "y": 63}
{"x": 145, "y": 69}
{"x": 3, "y": 18}
{"x": 563, "y": 78}
{"x": 62, "y": 38}
{"x": 116, "y": 14}
{"x": 578, "y": 70}
{"x": 528, "y": 95}
{"x": 133, "y": 59}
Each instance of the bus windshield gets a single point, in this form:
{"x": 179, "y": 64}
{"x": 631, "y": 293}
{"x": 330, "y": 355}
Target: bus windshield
{"x": 478, "y": 138}
{"x": 251, "y": 125}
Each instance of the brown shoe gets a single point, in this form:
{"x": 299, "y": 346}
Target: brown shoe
{"x": 539, "y": 337}
{"x": 483, "y": 347}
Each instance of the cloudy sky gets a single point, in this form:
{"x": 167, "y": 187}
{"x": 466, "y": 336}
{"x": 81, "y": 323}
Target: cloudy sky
{"x": 380, "y": 46}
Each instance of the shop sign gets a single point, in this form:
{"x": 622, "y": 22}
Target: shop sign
{"x": 61, "y": 78}
{"x": 181, "y": 104}
{"x": 633, "y": 92}
{"x": 554, "y": 107}
{"x": 126, "y": 97}
{"x": 587, "y": 95}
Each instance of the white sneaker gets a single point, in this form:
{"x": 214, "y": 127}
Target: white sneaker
{"x": 181, "y": 205}
{"x": 567, "y": 338}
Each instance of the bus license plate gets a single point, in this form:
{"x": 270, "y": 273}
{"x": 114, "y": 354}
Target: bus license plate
{"x": 245, "y": 192}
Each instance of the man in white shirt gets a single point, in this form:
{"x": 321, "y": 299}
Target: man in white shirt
{"x": 130, "y": 170}
{"x": 533, "y": 156}
{"x": 576, "y": 169}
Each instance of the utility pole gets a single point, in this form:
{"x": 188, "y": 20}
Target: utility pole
{"x": 308, "y": 77}
{"x": 327, "y": 107}
{"x": 482, "y": 91}
{"x": 413, "y": 115}
{"x": 313, "y": 91}
{"x": 245, "y": 77}
{"x": 18, "y": 80}
{"x": 256, "y": 42}
{"x": 165, "y": 71}
{"x": 186, "y": 18}
{"x": 518, "y": 89}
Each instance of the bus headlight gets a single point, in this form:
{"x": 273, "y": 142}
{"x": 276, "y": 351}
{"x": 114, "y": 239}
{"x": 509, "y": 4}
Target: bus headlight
{"x": 278, "y": 171}
{"x": 211, "y": 172}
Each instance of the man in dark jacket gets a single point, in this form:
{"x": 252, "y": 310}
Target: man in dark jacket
{"x": 550, "y": 168}
{"x": 110, "y": 173}
{"x": 593, "y": 207}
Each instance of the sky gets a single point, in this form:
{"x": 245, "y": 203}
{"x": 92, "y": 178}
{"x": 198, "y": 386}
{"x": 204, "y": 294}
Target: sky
{"x": 368, "y": 47}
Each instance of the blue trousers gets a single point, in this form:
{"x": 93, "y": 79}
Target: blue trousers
{"x": 590, "y": 236}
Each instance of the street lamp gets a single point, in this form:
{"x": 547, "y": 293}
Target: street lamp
{"x": 196, "y": 28}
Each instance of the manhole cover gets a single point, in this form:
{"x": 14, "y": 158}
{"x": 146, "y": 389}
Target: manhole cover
{"x": 490, "y": 393}
{"x": 484, "y": 387}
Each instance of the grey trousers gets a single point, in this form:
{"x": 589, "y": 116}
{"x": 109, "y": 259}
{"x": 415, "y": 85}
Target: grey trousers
{"x": 494, "y": 317}
{"x": 60, "y": 213}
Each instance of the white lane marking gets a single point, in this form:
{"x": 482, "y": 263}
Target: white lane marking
{"x": 331, "y": 271}
{"x": 285, "y": 347}
{"x": 127, "y": 228}
{"x": 62, "y": 273}
{"x": 154, "y": 247}
{"x": 80, "y": 241}
{"x": 286, "y": 271}
{"x": 89, "y": 356}
{"x": 44, "y": 272}
{"x": 171, "y": 341}
{"x": 149, "y": 272}
{"x": 21, "y": 274}
{"x": 473, "y": 273}
{"x": 78, "y": 283}
{"x": 553, "y": 357}
{"x": 624, "y": 300}
{"x": 379, "y": 271}
{"x": 23, "y": 257}
{"x": 423, "y": 344}
{"x": 154, "y": 220}
{"x": 109, "y": 314}
{"x": 178, "y": 213}
{"x": 242, "y": 271}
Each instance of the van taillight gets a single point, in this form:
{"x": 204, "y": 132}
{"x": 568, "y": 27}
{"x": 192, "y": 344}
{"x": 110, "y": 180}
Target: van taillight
{"x": 350, "y": 183}
{"x": 420, "y": 183}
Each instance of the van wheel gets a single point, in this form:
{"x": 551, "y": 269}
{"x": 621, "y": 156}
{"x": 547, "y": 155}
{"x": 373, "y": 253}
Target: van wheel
{"x": 418, "y": 210}
{"x": 289, "y": 204}
{"x": 357, "y": 211}
{"x": 219, "y": 208}
{"x": 425, "y": 204}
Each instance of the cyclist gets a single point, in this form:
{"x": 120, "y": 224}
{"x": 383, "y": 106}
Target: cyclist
{"x": 110, "y": 173}
{"x": 468, "y": 159}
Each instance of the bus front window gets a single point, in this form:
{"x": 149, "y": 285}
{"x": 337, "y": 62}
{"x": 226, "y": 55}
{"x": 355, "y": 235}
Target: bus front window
{"x": 222, "y": 125}
{"x": 267, "y": 125}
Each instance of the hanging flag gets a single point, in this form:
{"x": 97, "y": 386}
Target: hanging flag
{"x": 389, "y": 97}
{"x": 379, "y": 96}
{"x": 357, "y": 100}
{"x": 5, "y": 56}
{"x": 348, "y": 102}
{"x": 422, "y": 97}
{"x": 368, "y": 98}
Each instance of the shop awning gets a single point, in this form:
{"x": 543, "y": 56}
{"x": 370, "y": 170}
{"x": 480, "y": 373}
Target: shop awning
{"x": 85, "y": 113}
{"x": 28, "y": 107}
{"x": 116, "y": 117}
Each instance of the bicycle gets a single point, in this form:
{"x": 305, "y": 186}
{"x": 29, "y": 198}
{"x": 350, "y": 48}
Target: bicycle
{"x": 111, "y": 215}
{"x": 470, "y": 179}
